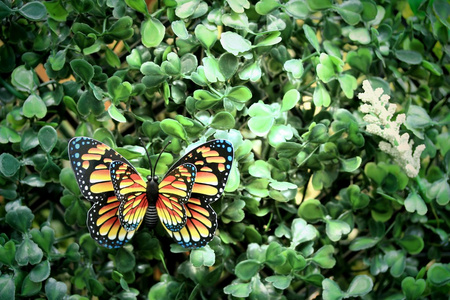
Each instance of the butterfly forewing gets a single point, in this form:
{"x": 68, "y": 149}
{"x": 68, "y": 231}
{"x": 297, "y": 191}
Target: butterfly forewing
{"x": 175, "y": 190}
{"x": 90, "y": 161}
{"x": 130, "y": 189}
{"x": 213, "y": 161}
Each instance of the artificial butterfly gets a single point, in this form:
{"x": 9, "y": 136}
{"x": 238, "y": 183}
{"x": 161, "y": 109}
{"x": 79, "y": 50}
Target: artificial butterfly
{"x": 122, "y": 200}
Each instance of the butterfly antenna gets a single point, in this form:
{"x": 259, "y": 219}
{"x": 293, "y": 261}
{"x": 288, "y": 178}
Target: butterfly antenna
{"x": 162, "y": 151}
{"x": 148, "y": 155}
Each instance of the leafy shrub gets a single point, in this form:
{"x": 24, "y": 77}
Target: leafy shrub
{"x": 312, "y": 205}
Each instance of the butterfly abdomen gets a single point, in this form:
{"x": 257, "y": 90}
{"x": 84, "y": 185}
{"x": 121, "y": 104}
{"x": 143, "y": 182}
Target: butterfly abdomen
{"x": 151, "y": 216}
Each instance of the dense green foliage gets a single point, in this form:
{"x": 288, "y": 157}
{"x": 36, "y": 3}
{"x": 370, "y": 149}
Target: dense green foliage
{"x": 312, "y": 205}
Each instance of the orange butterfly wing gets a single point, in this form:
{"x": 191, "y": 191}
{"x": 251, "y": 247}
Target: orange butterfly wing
{"x": 90, "y": 161}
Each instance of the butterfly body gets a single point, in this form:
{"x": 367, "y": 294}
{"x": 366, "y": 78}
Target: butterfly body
{"x": 122, "y": 200}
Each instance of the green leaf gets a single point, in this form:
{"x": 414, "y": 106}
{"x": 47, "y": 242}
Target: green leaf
{"x": 40, "y": 272}
{"x": 302, "y": 232}
{"x": 206, "y": 36}
{"x": 239, "y": 5}
{"x": 34, "y": 107}
{"x": 251, "y": 72}
{"x": 35, "y": 11}
{"x": 321, "y": 97}
{"x": 234, "y": 43}
{"x": 360, "y": 35}
{"x": 173, "y": 128}
{"x": 55, "y": 290}
{"x": 246, "y": 269}
{"x": 412, "y": 243}
{"x": 336, "y": 228}
{"x": 439, "y": 274}
{"x": 350, "y": 164}
{"x": 237, "y": 289}
{"x": 173, "y": 64}
{"x": 264, "y": 7}
{"x": 408, "y": 56}
{"x": 7, "y": 253}
{"x": 47, "y": 138}
{"x": 115, "y": 114}
{"x": 121, "y": 29}
{"x": 413, "y": 289}
{"x": 29, "y": 287}
{"x": 331, "y": 290}
{"x": 22, "y": 79}
{"x": 295, "y": 67}
{"x": 324, "y": 257}
{"x": 360, "y": 286}
{"x": 124, "y": 260}
{"x": 360, "y": 60}
{"x": 223, "y": 121}
{"x": 179, "y": 28}
{"x": 280, "y": 281}
{"x": 45, "y": 237}
{"x": 415, "y": 203}
{"x": 19, "y": 217}
{"x": 260, "y": 169}
{"x": 228, "y": 65}
{"x": 312, "y": 210}
{"x": 138, "y": 5}
{"x": 297, "y": 9}
{"x": 202, "y": 257}
{"x": 311, "y": 36}
{"x": 152, "y": 32}
{"x": 9, "y": 165}
{"x": 28, "y": 252}
{"x": 211, "y": 69}
{"x": 7, "y": 287}
{"x": 83, "y": 69}
{"x": 350, "y": 11}
{"x": 186, "y": 8}
{"x": 120, "y": 91}
{"x": 239, "y": 94}
{"x": 76, "y": 213}
{"x": 363, "y": 243}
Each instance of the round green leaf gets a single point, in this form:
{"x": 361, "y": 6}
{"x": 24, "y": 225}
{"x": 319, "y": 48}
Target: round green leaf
{"x": 115, "y": 114}
{"x": 324, "y": 257}
{"x": 413, "y": 289}
{"x": 350, "y": 164}
{"x": 28, "y": 252}
{"x": 290, "y": 99}
{"x": 439, "y": 274}
{"x": 7, "y": 253}
{"x": 228, "y": 65}
{"x": 412, "y": 243}
{"x": 312, "y": 210}
{"x": 363, "y": 243}
{"x": 239, "y": 94}
{"x": 280, "y": 281}
{"x": 40, "y": 272}
{"x": 297, "y": 8}
{"x": 350, "y": 11}
{"x": 223, "y": 121}
{"x": 173, "y": 128}
{"x": 294, "y": 66}
{"x": 260, "y": 169}
{"x": 55, "y": 290}
{"x": 246, "y": 269}
{"x": 206, "y": 36}
{"x": 22, "y": 79}
{"x": 20, "y": 218}
{"x": 331, "y": 290}
{"x": 415, "y": 203}
{"x": 7, "y": 287}
{"x": 360, "y": 35}
{"x": 302, "y": 232}
{"x": 124, "y": 260}
{"x": 251, "y": 72}
{"x": 138, "y": 5}
{"x": 83, "y": 69}
{"x": 186, "y": 8}
{"x": 203, "y": 257}
{"x": 264, "y": 7}
{"x": 179, "y": 28}
{"x": 47, "y": 138}
{"x": 152, "y": 32}
{"x": 234, "y": 43}
{"x": 240, "y": 290}
{"x": 29, "y": 287}
{"x": 361, "y": 285}
{"x": 336, "y": 228}
{"x": 9, "y": 165}
{"x": 34, "y": 106}
{"x": 408, "y": 56}
{"x": 34, "y": 11}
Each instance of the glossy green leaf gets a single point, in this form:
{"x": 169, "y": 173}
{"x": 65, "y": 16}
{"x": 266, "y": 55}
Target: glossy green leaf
{"x": 264, "y": 7}
{"x": 331, "y": 290}
{"x": 7, "y": 287}
{"x": 9, "y": 165}
{"x": 409, "y": 57}
{"x": 115, "y": 114}
{"x": 138, "y": 5}
{"x": 29, "y": 287}
{"x": 173, "y": 128}
{"x": 202, "y": 257}
{"x": 297, "y": 9}
{"x": 7, "y": 253}
{"x": 360, "y": 286}
{"x": 152, "y": 32}
{"x": 311, "y": 37}
{"x": 439, "y": 274}
{"x": 83, "y": 69}
{"x": 40, "y": 272}
{"x": 179, "y": 28}
{"x": 413, "y": 289}
{"x": 242, "y": 290}
{"x": 295, "y": 67}
{"x": 206, "y": 35}
{"x": 55, "y": 290}
{"x": 246, "y": 269}
{"x": 223, "y": 121}
{"x": 280, "y": 281}
{"x": 48, "y": 138}
{"x": 28, "y": 252}
{"x": 234, "y": 43}
{"x": 34, "y": 11}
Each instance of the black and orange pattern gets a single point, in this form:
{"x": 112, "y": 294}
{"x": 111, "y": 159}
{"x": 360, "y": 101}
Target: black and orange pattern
{"x": 121, "y": 197}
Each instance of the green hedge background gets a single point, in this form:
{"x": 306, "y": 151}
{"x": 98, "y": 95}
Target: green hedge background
{"x": 312, "y": 208}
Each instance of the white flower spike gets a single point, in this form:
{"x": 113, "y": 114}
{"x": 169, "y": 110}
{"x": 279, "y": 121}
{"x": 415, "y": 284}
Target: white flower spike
{"x": 379, "y": 113}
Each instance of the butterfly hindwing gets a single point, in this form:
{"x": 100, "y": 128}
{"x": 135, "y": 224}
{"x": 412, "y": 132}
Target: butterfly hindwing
{"x": 131, "y": 191}
{"x": 175, "y": 190}
{"x": 90, "y": 161}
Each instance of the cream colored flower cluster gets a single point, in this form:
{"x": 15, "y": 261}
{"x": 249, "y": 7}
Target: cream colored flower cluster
{"x": 379, "y": 113}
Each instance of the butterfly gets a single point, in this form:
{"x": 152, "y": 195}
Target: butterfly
{"x": 123, "y": 200}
